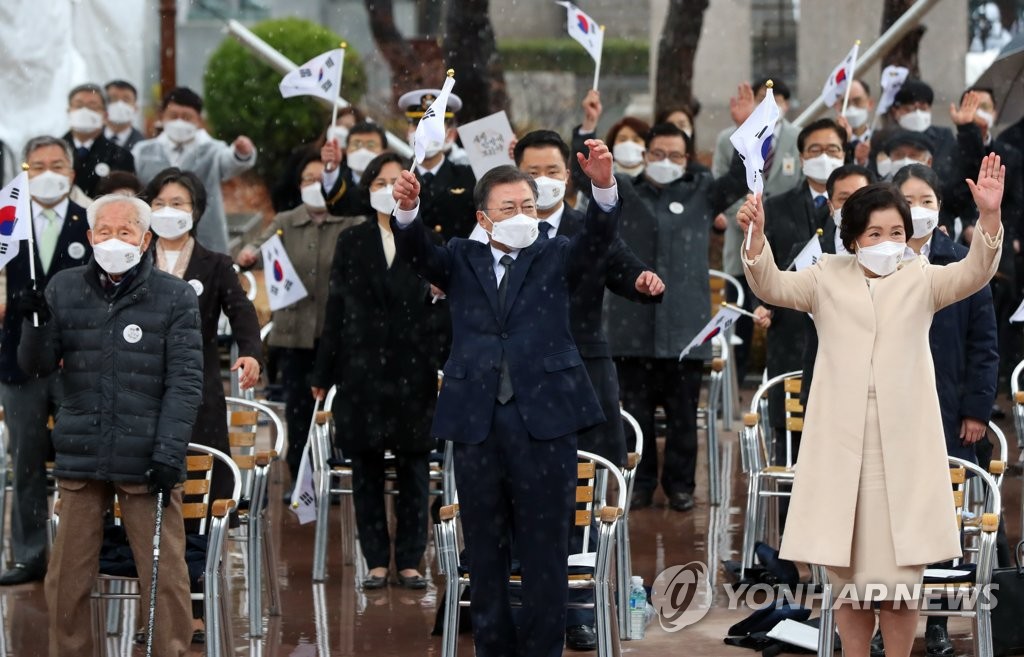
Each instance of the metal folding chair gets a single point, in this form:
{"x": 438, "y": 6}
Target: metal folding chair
{"x": 623, "y": 554}
{"x": 591, "y": 505}
{"x": 720, "y": 282}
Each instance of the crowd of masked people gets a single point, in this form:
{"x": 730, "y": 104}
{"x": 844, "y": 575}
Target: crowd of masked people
{"x": 112, "y": 330}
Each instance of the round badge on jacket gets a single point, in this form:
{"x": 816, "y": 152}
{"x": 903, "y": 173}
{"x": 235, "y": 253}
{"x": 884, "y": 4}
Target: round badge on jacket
{"x": 675, "y": 207}
{"x": 132, "y": 333}
{"x": 197, "y": 285}
{"x": 76, "y": 250}
{"x": 102, "y": 169}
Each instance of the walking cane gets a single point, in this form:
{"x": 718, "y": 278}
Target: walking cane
{"x": 152, "y": 582}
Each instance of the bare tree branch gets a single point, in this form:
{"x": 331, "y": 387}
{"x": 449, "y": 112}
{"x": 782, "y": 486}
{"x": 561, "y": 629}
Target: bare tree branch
{"x": 677, "y": 50}
{"x": 471, "y": 50}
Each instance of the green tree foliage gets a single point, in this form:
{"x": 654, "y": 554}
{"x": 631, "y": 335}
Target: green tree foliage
{"x": 242, "y": 96}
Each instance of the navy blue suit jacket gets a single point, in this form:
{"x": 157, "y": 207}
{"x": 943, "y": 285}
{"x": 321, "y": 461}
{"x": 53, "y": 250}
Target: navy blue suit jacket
{"x": 553, "y": 393}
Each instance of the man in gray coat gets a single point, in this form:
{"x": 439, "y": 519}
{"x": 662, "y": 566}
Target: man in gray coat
{"x": 184, "y": 143}
{"x": 125, "y": 339}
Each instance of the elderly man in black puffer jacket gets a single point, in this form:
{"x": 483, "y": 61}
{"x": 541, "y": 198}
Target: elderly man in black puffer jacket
{"x": 126, "y": 340}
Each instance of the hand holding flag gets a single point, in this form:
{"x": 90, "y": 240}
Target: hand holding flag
{"x": 751, "y": 219}
{"x": 430, "y": 130}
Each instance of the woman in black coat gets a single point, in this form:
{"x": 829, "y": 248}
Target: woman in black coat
{"x": 380, "y": 347}
{"x": 178, "y": 199}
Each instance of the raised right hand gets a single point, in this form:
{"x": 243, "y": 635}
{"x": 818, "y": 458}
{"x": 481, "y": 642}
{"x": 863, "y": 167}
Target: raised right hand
{"x": 247, "y": 257}
{"x": 407, "y": 191}
{"x": 319, "y": 393}
{"x": 741, "y": 106}
{"x": 752, "y": 213}
{"x": 330, "y": 154}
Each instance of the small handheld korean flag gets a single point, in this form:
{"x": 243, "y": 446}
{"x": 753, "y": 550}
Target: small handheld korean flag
{"x": 722, "y": 321}
{"x": 430, "y": 130}
{"x": 586, "y": 32}
{"x": 838, "y": 83}
{"x": 753, "y": 142}
{"x": 1018, "y": 315}
{"x": 283, "y": 284}
{"x": 304, "y": 493}
{"x": 892, "y": 81}
{"x": 15, "y": 217}
{"x": 320, "y": 77}
{"x": 810, "y": 254}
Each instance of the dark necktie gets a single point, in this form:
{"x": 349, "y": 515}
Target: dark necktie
{"x": 82, "y": 152}
{"x": 544, "y": 227}
{"x": 504, "y": 378}
{"x": 820, "y": 200}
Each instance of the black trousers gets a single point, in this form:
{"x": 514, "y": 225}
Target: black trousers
{"x": 296, "y": 370}
{"x": 744, "y": 327}
{"x": 413, "y": 472}
{"x": 646, "y": 383}
{"x": 515, "y": 488}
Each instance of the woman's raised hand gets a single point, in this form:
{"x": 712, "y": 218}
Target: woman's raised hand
{"x": 988, "y": 191}
{"x": 751, "y": 215}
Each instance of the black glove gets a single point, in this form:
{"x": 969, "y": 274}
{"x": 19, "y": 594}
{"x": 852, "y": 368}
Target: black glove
{"x": 162, "y": 479}
{"x": 34, "y": 301}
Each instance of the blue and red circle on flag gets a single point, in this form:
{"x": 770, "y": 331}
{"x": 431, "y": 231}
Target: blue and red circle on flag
{"x": 581, "y": 20}
{"x": 8, "y": 218}
{"x": 278, "y": 271}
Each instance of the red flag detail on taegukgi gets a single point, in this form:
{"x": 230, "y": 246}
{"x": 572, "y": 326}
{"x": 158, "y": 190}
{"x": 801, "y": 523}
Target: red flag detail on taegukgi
{"x": 283, "y": 284}
{"x": 839, "y": 78}
{"x": 722, "y": 321}
{"x": 892, "y": 80}
{"x": 15, "y": 217}
{"x": 584, "y": 29}
{"x": 753, "y": 140}
{"x": 320, "y": 77}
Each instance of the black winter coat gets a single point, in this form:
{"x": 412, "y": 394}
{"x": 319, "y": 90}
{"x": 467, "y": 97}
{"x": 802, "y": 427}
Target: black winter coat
{"x": 130, "y": 361}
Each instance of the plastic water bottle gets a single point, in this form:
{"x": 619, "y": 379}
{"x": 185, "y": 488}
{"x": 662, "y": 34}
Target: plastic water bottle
{"x": 637, "y": 608}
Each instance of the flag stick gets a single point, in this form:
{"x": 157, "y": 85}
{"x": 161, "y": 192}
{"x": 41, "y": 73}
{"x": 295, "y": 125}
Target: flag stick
{"x": 337, "y": 87}
{"x": 849, "y": 83}
{"x": 32, "y": 263}
{"x": 597, "y": 64}
{"x": 741, "y": 311}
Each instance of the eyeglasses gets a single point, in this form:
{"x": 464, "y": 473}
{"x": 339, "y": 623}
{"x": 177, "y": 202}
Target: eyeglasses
{"x": 175, "y": 204}
{"x": 306, "y": 180}
{"x": 814, "y": 150}
{"x": 658, "y": 155}
{"x": 56, "y": 167}
{"x": 368, "y": 144}
{"x": 508, "y": 211}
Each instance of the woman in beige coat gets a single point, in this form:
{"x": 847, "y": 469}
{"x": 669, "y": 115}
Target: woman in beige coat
{"x": 871, "y": 500}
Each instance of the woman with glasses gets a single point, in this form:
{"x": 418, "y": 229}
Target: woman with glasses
{"x": 381, "y": 347}
{"x": 178, "y": 199}
{"x": 308, "y": 234}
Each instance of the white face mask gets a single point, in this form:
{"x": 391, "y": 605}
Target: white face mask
{"x": 120, "y": 112}
{"x": 628, "y": 153}
{"x": 180, "y": 131}
{"x": 516, "y": 232}
{"x": 925, "y": 220}
{"x": 664, "y": 171}
{"x": 916, "y": 121}
{"x": 337, "y": 133}
{"x": 881, "y": 259}
{"x": 116, "y": 257}
{"x": 896, "y": 165}
{"x": 987, "y": 117}
{"x": 313, "y": 196}
{"x": 884, "y": 166}
{"x": 820, "y": 168}
{"x": 837, "y": 217}
{"x": 171, "y": 223}
{"x": 359, "y": 159}
{"x": 550, "y": 192}
{"x": 84, "y": 119}
{"x": 856, "y": 116}
{"x": 383, "y": 200}
{"x": 49, "y": 187}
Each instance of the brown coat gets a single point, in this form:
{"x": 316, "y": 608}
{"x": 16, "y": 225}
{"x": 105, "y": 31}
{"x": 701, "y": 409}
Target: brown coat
{"x": 310, "y": 247}
{"x": 885, "y": 334}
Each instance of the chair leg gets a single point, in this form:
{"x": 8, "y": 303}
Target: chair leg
{"x": 602, "y": 616}
{"x": 450, "y": 637}
{"x": 750, "y": 523}
{"x": 623, "y": 574}
{"x": 269, "y": 567}
{"x": 322, "y": 527}
{"x": 255, "y": 554}
{"x": 349, "y": 534}
{"x": 827, "y": 625}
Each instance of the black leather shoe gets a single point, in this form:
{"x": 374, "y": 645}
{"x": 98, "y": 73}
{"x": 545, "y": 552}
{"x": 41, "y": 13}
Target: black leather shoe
{"x": 937, "y": 643}
{"x": 22, "y": 573}
{"x": 580, "y": 637}
{"x": 877, "y": 647}
{"x": 680, "y": 501}
{"x": 414, "y": 582}
{"x": 372, "y": 582}
{"x": 997, "y": 412}
{"x": 641, "y": 499}
{"x": 198, "y": 636}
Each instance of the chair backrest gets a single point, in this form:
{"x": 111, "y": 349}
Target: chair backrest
{"x": 997, "y": 466}
{"x": 720, "y": 282}
{"x": 1017, "y": 397}
{"x": 633, "y": 457}
{"x": 243, "y": 420}
{"x": 757, "y": 443}
{"x": 196, "y": 502}
{"x": 592, "y": 493}
{"x": 978, "y": 530}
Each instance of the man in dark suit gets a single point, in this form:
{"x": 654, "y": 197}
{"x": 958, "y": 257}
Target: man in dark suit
{"x": 543, "y": 155}
{"x": 95, "y": 155}
{"x": 59, "y": 228}
{"x": 515, "y": 392}
{"x": 446, "y": 188}
{"x": 122, "y": 110}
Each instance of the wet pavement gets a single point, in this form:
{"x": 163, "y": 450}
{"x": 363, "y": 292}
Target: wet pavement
{"x": 336, "y": 619}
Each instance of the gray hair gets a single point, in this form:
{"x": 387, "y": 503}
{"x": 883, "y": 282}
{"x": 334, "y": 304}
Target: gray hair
{"x": 91, "y": 88}
{"x": 43, "y": 141}
{"x": 142, "y": 211}
{"x": 505, "y": 174}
